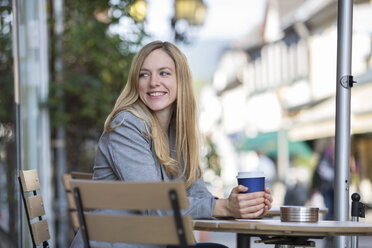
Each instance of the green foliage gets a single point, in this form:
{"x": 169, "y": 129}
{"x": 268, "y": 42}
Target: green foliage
{"x": 96, "y": 63}
{"x": 8, "y": 202}
{"x": 212, "y": 157}
{"x": 6, "y": 66}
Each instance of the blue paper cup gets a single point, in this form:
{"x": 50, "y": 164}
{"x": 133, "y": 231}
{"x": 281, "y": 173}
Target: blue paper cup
{"x": 254, "y": 180}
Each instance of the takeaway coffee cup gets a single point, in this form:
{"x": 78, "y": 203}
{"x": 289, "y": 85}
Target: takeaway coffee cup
{"x": 254, "y": 180}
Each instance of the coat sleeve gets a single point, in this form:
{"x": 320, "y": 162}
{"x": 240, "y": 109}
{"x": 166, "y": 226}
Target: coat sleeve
{"x": 125, "y": 152}
{"x": 201, "y": 201}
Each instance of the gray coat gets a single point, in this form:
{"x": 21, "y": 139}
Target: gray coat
{"x": 127, "y": 153}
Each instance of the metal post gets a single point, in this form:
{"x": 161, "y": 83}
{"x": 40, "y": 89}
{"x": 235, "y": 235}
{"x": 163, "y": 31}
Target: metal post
{"x": 354, "y": 218}
{"x": 357, "y": 210}
{"x": 342, "y": 137}
{"x": 58, "y": 8}
{"x": 243, "y": 240}
{"x": 17, "y": 101}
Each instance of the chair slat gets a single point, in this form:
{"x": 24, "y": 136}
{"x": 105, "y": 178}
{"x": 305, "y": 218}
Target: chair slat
{"x": 138, "y": 195}
{"x": 35, "y": 206}
{"x": 70, "y": 197}
{"x": 66, "y": 181}
{"x": 70, "y": 201}
{"x": 74, "y": 219}
{"x": 30, "y": 180}
{"x": 137, "y": 229}
{"x": 81, "y": 175}
{"x": 40, "y": 231}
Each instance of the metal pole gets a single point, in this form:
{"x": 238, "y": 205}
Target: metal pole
{"x": 357, "y": 210}
{"x": 354, "y": 239}
{"x": 61, "y": 131}
{"x": 342, "y": 137}
{"x": 17, "y": 101}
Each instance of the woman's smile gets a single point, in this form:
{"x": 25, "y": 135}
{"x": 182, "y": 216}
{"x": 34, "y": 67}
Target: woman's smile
{"x": 157, "y": 94}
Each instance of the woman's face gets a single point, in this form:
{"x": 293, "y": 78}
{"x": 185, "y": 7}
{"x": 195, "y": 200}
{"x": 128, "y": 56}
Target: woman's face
{"x": 158, "y": 82}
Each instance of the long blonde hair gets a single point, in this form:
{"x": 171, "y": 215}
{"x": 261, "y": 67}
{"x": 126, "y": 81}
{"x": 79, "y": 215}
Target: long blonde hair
{"x": 186, "y": 146}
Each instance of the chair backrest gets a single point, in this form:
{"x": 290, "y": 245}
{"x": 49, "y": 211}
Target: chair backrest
{"x": 70, "y": 198}
{"x": 172, "y": 229}
{"x": 81, "y": 175}
{"x": 34, "y": 205}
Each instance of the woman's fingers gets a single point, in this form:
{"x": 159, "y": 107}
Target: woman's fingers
{"x": 246, "y": 200}
{"x": 254, "y": 195}
{"x": 249, "y": 205}
{"x": 252, "y": 209}
{"x": 239, "y": 189}
{"x": 253, "y": 215}
{"x": 268, "y": 203}
{"x": 260, "y": 213}
{"x": 268, "y": 194}
{"x": 266, "y": 209}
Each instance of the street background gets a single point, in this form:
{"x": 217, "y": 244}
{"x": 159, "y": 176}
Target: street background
{"x": 264, "y": 74}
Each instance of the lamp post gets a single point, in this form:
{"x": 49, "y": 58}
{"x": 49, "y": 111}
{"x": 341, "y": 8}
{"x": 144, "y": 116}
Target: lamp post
{"x": 187, "y": 13}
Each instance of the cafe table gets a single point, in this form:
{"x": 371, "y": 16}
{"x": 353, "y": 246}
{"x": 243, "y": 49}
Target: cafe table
{"x": 273, "y": 231}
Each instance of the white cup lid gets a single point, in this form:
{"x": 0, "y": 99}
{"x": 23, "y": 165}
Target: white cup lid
{"x": 250, "y": 174}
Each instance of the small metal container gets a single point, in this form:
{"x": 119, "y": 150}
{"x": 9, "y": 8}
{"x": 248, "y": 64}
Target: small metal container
{"x": 299, "y": 214}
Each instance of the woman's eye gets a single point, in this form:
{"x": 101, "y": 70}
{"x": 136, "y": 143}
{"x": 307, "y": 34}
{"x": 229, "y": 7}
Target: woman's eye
{"x": 164, "y": 73}
{"x": 143, "y": 74}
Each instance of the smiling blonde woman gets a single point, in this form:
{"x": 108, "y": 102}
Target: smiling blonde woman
{"x": 151, "y": 135}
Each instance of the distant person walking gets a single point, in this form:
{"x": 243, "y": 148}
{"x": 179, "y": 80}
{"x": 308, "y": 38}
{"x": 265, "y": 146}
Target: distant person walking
{"x": 323, "y": 179}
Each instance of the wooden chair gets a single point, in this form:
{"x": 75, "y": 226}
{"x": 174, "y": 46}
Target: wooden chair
{"x": 139, "y": 229}
{"x": 29, "y": 182}
{"x": 81, "y": 175}
{"x": 70, "y": 198}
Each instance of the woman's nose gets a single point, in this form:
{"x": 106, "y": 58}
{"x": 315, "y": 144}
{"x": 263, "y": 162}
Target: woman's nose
{"x": 154, "y": 80}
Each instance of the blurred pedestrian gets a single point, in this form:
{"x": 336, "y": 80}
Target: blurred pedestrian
{"x": 323, "y": 178}
{"x": 296, "y": 194}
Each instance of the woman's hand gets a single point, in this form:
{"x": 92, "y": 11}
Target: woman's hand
{"x": 268, "y": 201}
{"x": 250, "y": 205}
